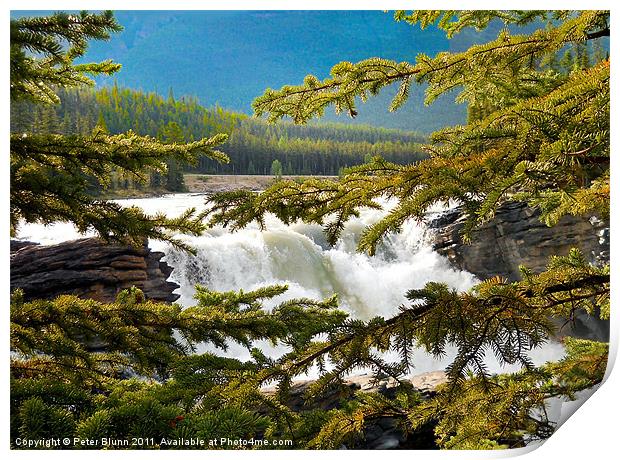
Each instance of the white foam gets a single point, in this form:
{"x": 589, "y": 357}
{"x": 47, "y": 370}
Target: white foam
{"x": 297, "y": 255}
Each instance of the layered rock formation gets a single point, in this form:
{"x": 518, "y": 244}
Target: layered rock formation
{"x": 516, "y": 236}
{"x": 89, "y": 268}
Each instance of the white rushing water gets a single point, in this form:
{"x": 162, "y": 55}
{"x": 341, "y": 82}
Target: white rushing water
{"x": 298, "y": 256}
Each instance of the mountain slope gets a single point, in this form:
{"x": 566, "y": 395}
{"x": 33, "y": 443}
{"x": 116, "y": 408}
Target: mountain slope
{"x": 231, "y": 57}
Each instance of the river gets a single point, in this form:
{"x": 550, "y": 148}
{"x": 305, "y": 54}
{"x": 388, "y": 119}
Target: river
{"x": 298, "y": 255}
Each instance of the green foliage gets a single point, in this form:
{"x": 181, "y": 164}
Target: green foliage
{"x": 173, "y": 134}
{"x": 43, "y": 50}
{"x": 83, "y": 368}
{"x": 535, "y": 134}
{"x": 53, "y": 176}
{"x": 453, "y": 21}
{"x": 481, "y": 412}
{"x": 42, "y": 421}
{"x": 346, "y": 426}
{"x": 138, "y": 334}
{"x": 509, "y": 410}
{"x": 313, "y": 200}
{"x": 72, "y": 359}
{"x": 504, "y": 64}
{"x": 231, "y": 423}
{"x": 507, "y": 319}
{"x": 276, "y": 168}
{"x": 538, "y": 136}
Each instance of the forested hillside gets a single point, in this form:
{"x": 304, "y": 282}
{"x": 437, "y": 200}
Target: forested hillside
{"x": 230, "y": 57}
{"x": 253, "y": 145}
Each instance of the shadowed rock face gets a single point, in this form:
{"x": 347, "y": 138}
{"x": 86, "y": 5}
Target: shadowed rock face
{"x": 89, "y": 268}
{"x": 516, "y": 236}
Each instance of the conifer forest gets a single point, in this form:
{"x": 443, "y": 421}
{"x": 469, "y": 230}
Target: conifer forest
{"x": 377, "y": 288}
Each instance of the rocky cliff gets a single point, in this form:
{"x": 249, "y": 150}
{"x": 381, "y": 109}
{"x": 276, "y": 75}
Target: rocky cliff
{"x": 516, "y": 236}
{"x": 89, "y": 268}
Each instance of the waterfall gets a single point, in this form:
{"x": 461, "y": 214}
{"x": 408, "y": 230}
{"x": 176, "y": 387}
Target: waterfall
{"x": 298, "y": 255}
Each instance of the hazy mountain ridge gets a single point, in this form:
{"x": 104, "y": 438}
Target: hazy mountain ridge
{"x": 238, "y": 54}
{"x": 231, "y": 57}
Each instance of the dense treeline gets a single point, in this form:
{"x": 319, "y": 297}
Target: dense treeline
{"x": 253, "y": 144}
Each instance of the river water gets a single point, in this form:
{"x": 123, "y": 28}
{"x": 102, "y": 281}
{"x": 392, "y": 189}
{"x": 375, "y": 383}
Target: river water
{"x": 297, "y": 255}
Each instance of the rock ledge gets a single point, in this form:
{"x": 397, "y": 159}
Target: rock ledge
{"x": 89, "y": 268}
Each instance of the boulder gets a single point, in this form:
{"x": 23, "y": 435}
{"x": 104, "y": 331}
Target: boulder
{"x": 425, "y": 383}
